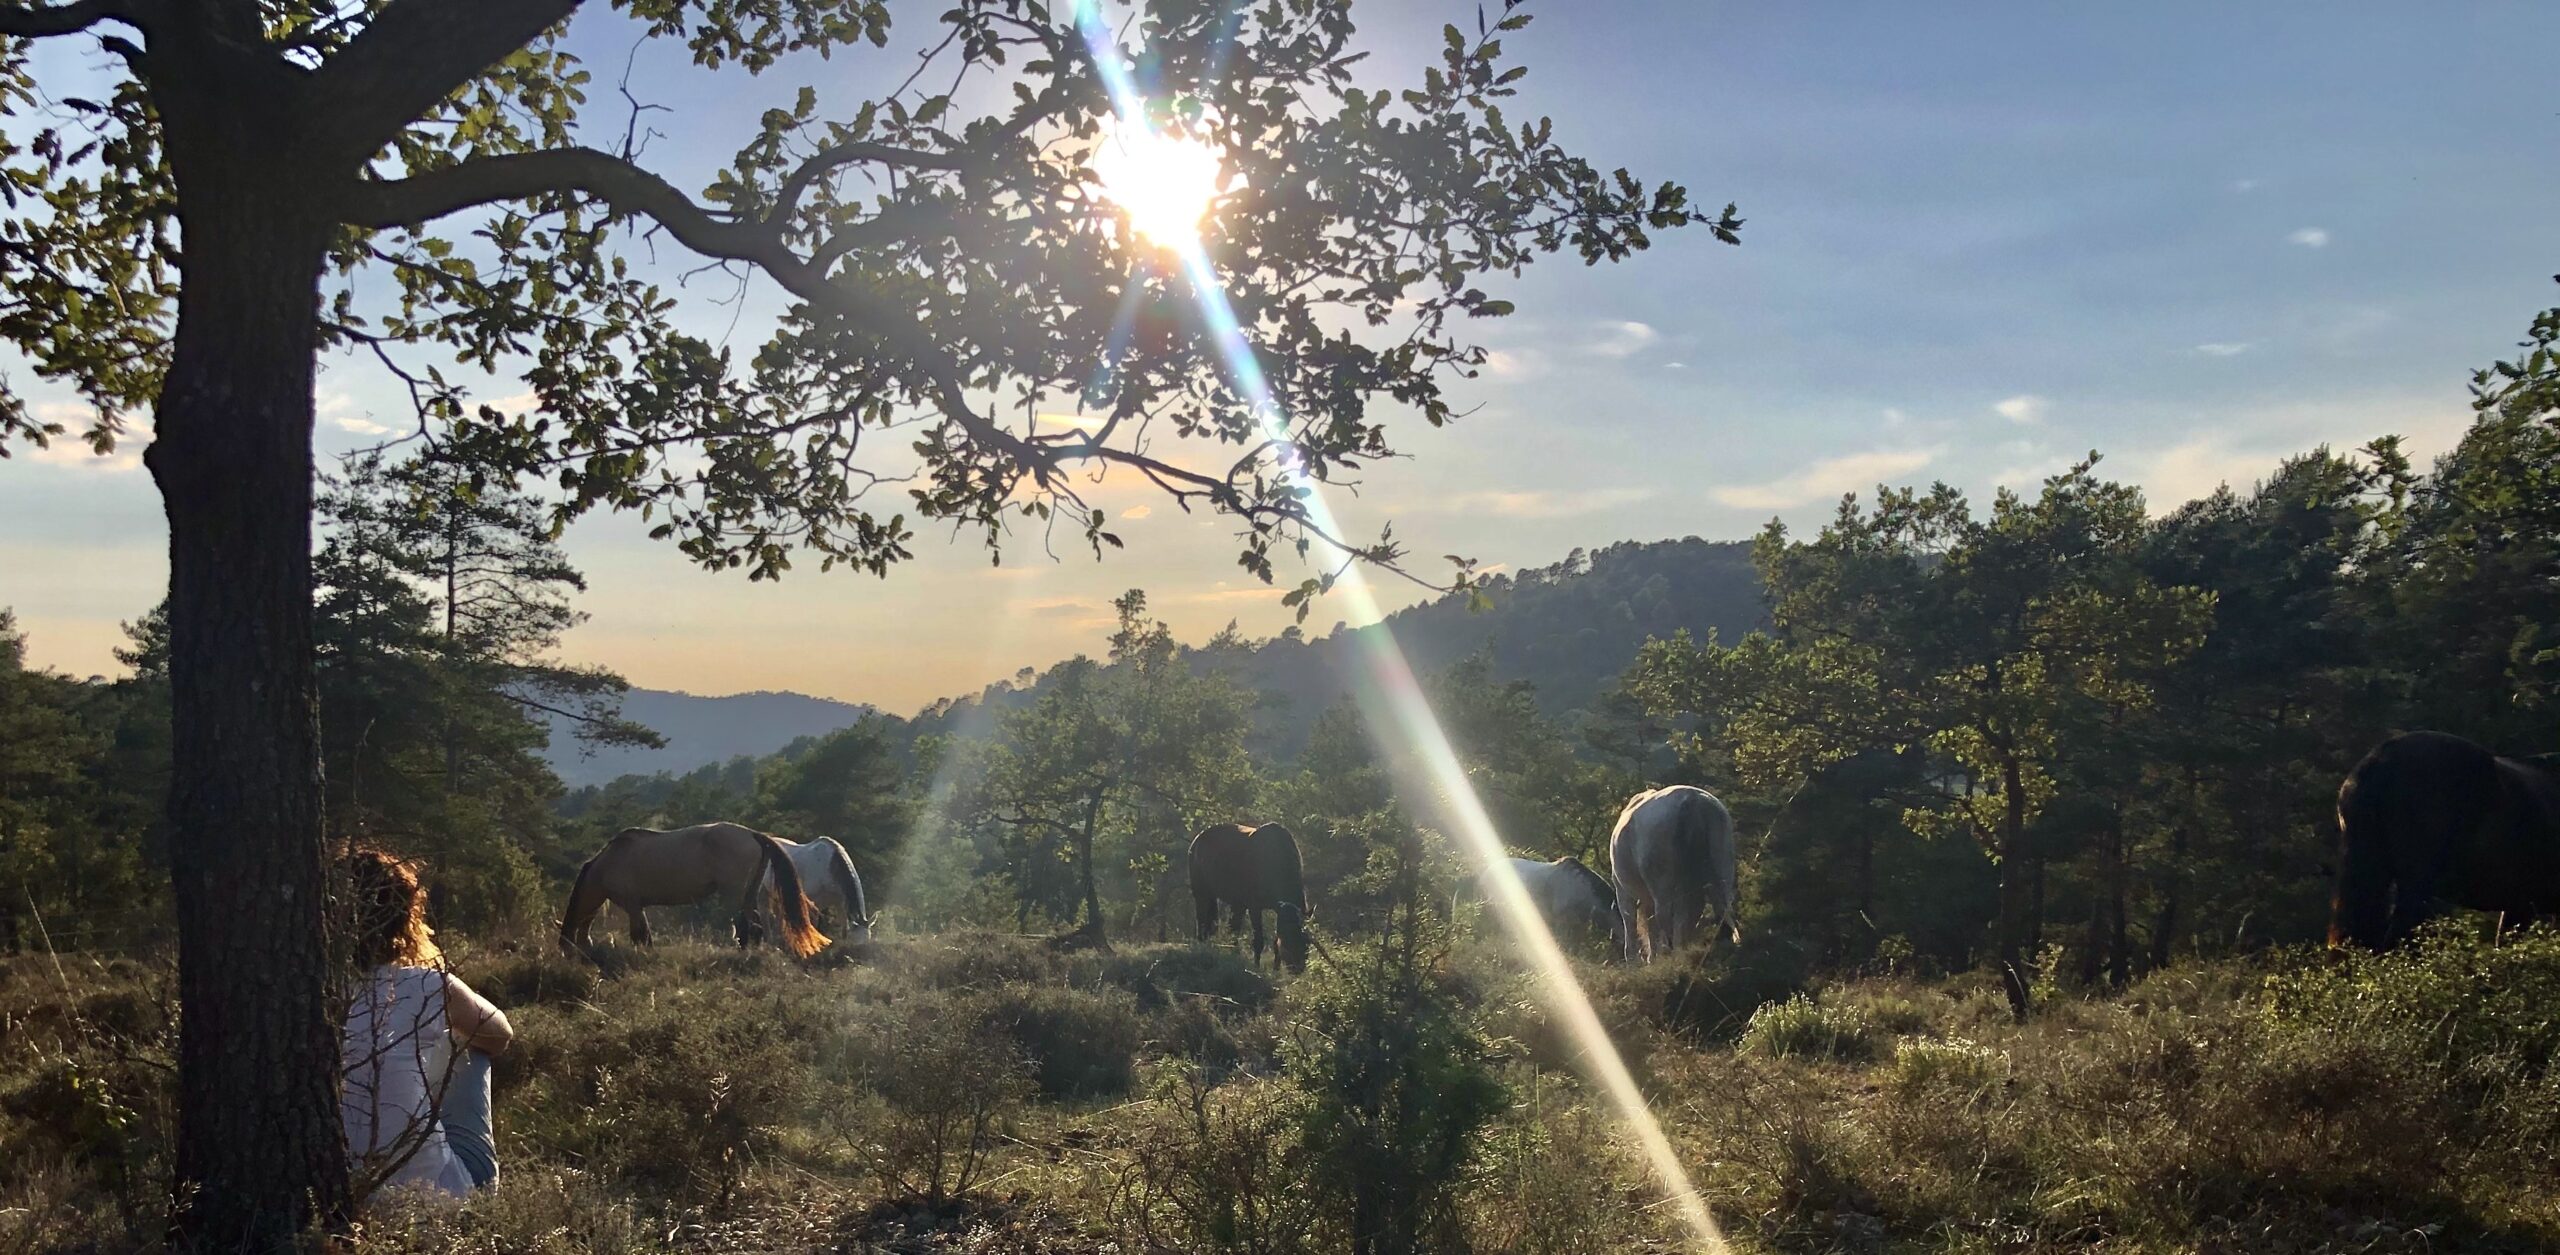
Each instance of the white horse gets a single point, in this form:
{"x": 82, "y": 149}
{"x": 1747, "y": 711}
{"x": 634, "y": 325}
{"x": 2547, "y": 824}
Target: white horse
{"x": 1673, "y": 854}
{"x": 828, "y": 873}
{"x": 1572, "y": 898}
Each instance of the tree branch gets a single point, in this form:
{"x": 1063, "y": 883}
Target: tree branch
{"x": 37, "y": 21}
{"x": 382, "y": 204}
{"x": 413, "y": 56}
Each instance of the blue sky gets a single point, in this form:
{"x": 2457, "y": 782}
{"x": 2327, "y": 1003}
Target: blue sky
{"x": 1983, "y": 239}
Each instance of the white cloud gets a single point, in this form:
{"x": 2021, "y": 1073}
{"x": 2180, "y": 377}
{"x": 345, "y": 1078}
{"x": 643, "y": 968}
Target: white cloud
{"x": 1540, "y": 503}
{"x": 1137, "y": 512}
{"x": 1515, "y": 364}
{"x": 2022, "y": 410}
{"x": 2244, "y": 186}
{"x": 71, "y": 448}
{"x": 2242, "y": 448}
{"x": 2309, "y": 237}
{"x": 1622, "y": 339}
{"x": 1675, "y": 366}
{"x": 1825, "y": 479}
{"x": 362, "y": 426}
{"x": 1894, "y": 417}
{"x": 2226, "y": 348}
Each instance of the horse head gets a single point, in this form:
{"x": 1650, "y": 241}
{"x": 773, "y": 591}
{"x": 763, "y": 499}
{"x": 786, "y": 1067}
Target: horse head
{"x": 1292, "y": 920}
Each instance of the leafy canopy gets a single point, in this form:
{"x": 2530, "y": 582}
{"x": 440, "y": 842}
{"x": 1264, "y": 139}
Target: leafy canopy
{"x": 949, "y": 271}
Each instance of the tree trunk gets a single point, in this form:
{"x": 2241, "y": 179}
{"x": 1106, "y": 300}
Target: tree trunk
{"x": 1084, "y": 868}
{"x": 2164, "y": 927}
{"x": 2020, "y": 890}
{"x": 259, "y": 1157}
{"x": 2119, "y": 873}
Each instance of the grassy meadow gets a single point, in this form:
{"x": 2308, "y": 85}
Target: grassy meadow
{"x": 986, "y": 1093}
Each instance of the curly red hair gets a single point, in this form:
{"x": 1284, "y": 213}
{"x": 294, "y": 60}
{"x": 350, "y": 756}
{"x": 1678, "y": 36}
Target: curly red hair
{"x": 386, "y": 909}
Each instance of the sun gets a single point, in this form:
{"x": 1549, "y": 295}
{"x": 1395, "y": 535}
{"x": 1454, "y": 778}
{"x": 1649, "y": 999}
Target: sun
{"x": 1165, "y": 183}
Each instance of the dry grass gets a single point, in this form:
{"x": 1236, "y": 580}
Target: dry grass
{"x": 696, "y": 1099}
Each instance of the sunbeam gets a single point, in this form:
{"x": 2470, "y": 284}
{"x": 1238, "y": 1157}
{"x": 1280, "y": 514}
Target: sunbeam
{"x": 1160, "y": 215}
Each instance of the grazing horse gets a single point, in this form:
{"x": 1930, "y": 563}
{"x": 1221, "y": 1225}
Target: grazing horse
{"x": 1251, "y": 870}
{"x": 1673, "y": 854}
{"x": 644, "y": 867}
{"x": 828, "y": 872}
{"x": 2429, "y": 818}
{"x": 1574, "y": 900}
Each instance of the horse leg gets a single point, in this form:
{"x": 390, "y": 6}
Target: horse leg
{"x": 1256, "y": 913}
{"x": 639, "y": 924}
{"x": 1204, "y": 913}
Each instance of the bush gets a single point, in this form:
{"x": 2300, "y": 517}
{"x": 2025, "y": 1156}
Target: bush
{"x": 1955, "y": 1064}
{"x": 675, "y": 1094}
{"x": 1202, "y": 1170}
{"x": 1396, "y": 1082}
{"x": 1081, "y": 1044}
{"x": 946, "y": 1086}
{"x": 2468, "y": 1007}
{"x": 1802, "y": 1028}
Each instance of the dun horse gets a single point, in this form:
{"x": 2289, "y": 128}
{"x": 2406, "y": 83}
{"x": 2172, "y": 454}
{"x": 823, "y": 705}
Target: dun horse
{"x": 2429, "y": 818}
{"x": 1252, "y": 870}
{"x": 644, "y": 867}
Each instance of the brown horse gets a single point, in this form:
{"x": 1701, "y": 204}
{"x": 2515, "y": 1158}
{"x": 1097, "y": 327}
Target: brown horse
{"x": 644, "y": 867}
{"x": 2429, "y": 818}
{"x": 1252, "y": 870}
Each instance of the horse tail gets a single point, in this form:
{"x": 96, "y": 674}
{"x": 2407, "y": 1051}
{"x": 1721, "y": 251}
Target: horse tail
{"x": 800, "y": 933}
{"x": 585, "y": 899}
{"x": 1706, "y": 834}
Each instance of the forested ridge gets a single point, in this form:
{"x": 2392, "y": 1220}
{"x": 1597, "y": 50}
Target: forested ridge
{"x": 2061, "y": 727}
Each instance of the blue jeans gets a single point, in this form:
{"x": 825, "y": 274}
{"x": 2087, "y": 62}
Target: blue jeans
{"x": 465, "y": 1116}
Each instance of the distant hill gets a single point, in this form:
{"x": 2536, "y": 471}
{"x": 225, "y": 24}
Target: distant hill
{"x": 1570, "y": 629}
{"x": 699, "y": 731}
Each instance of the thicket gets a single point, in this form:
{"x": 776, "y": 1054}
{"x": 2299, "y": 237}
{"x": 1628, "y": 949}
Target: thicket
{"x": 697, "y": 1099}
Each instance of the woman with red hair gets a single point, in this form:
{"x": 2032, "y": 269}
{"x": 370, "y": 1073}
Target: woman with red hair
{"x": 417, "y": 1046}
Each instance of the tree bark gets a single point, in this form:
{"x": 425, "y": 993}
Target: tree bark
{"x": 259, "y": 1158}
{"x": 2020, "y": 890}
{"x": 1084, "y": 867}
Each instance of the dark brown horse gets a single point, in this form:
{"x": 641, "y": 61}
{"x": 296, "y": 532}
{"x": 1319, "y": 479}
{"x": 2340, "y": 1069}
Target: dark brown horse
{"x": 1252, "y": 870}
{"x": 2429, "y": 818}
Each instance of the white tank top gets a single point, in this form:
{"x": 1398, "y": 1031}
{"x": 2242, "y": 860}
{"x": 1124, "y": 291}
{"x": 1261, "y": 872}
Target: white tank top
{"x": 398, "y": 1060}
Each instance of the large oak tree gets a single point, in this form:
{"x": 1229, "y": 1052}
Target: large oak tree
{"x": 258, "y": 183}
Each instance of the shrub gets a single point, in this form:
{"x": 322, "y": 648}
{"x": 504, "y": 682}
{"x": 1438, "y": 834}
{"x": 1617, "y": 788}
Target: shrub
{"x": 1802, "y": 1028}
{"x": 676, "y": 1094}
{"x": 945, "y": 1087}
{"x": 1396, "y": 1083}
{"x": 1203, "y": 1172}
{"x": 1080, "y": 1043}
{"x": 1965, "y": 1067}
{"x": 1162, "y": 975}
{"x": 2460, "y": 1003}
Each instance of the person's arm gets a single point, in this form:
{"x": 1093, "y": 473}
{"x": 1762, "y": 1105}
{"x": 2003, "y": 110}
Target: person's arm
{"x": 475, "y": 1022}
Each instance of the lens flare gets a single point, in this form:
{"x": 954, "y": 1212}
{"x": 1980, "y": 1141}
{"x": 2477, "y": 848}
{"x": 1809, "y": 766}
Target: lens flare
{"x": 1164, "y": 183}
{"x": 1392, "y": 690}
